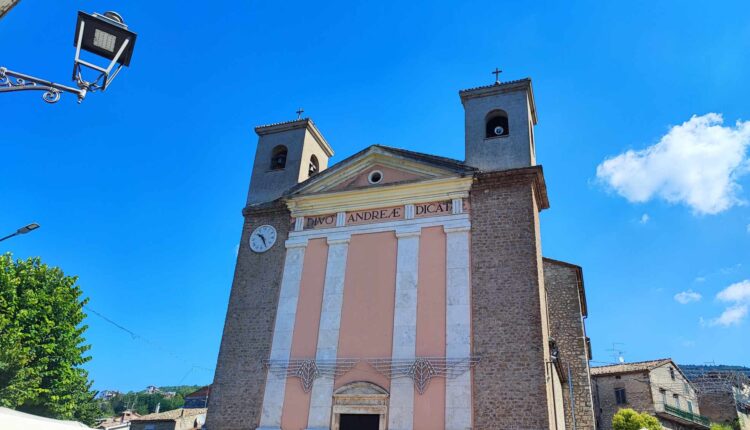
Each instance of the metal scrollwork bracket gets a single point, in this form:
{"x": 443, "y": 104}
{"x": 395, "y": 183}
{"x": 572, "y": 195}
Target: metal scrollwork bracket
{"x": 14, "y": 81}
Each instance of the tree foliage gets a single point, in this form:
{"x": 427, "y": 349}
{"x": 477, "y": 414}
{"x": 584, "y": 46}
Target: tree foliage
{"x": 42, "y": 347}
{"x": 629, "y": 419}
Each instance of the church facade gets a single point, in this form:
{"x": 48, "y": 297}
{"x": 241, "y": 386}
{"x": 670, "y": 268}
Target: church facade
{"x": 400, "y": 290}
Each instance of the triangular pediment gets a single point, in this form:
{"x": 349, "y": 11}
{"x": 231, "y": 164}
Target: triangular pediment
{"x": 379, "y": 166}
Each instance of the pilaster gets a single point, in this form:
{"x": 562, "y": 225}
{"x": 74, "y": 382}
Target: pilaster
{"x": 328, "y": 334}
{"x": 273, "y": 398}
{"x": 401, "y": 412}
{"x": 458, "y": 412}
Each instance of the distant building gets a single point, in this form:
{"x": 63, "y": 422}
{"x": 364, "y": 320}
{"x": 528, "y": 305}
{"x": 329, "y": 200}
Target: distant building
{"x": 176, "y": 419}
{"x": 120, "y": 422}
{"x": 152, "y": 389}
{"x": 657, "y": 387}
{"x": 723, "y": 393}
{"x": 197, "y": 399}
{"x": 108, "y": 394}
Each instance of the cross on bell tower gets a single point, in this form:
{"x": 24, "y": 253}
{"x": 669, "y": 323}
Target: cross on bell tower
{"x": 300, "y": 111}
{"x": 497, "y": 75}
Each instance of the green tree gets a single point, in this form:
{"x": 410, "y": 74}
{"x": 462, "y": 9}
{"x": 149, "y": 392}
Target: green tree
{"x": 42, "y": 347}
{"x": 628, "y": 419}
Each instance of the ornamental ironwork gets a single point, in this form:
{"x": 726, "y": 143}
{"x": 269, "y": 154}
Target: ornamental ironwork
{"x": 307, "y": 370}
{"x": 421, "y": 370}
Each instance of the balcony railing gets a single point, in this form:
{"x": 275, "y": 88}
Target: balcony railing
{"x": 700, "y": 419}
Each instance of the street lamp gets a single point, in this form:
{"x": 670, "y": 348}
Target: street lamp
{"x": 23, "y": 230}
{"x": 106, "y": 36}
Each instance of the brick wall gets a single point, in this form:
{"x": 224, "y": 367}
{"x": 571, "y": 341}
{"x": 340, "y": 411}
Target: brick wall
{"x": 510, "y": 388}
{"x": 567, "y": 328}
{"x": 636, "y": 389}
{"x": 237, "y": 391}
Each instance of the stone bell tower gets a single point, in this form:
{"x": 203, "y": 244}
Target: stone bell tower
{"x": 499, "y": 126}
{"x": 287, "y": 154}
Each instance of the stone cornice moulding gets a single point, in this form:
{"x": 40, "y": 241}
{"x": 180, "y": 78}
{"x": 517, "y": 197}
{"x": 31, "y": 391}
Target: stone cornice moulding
{"x": 346, "y": 170}
{"x": 524, "y": 175}
{"x": 305, "y": 123}
{"x": 379, "y": 197}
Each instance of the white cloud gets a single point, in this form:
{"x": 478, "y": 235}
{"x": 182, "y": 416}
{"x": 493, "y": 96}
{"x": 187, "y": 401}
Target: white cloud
{"x": 738, "y": 295}
{"x": 731, "y": 316}
{"x": 688, "y": 296}
{"x": 696, "y": 164}
{"x": 644, "y": 219}
{"x": 700, "y": 279}
{"x": 738, "y": 292}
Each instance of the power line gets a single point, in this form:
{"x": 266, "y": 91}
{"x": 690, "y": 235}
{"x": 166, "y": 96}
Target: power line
{"x": 153, "y": 344}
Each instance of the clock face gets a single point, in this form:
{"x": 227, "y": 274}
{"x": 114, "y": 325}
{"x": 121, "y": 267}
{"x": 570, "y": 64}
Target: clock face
{"x": 262, "y": 238}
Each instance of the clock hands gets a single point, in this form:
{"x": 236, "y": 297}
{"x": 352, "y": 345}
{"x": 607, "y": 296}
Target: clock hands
{"x": 263, "y": 238}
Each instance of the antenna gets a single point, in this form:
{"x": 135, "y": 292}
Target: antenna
{"x": 617, "y": 353}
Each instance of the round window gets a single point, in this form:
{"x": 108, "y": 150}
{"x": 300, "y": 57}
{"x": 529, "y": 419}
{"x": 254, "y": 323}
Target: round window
{"x": 375, "y": 177}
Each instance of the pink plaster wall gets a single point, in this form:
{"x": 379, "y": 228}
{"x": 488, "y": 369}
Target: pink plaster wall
{"x": 305, "y": 336}
{"x": 429, "y": 408}
{"x": 367, "y": 314}
{"x": 390, "y": 175}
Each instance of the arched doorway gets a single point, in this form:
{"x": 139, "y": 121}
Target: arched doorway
{"x": 360, "y": 406}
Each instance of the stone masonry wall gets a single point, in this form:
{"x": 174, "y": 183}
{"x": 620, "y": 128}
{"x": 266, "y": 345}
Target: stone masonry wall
{"x": 637, "y": 393}
{"x": 567, "y": 328}
{"x": 510, "y": 390}
{"x": 237, "y": 393}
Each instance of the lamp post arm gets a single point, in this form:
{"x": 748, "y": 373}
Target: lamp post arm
{"x": 14, "y": 81}
{"x": 8, "y": 236}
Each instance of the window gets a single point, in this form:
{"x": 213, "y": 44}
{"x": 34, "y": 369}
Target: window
{"x": 375, "y": 177}
{"x": 620, "y": 397}
{"x": 671, "y": 373}
{"x": 686, "y": 388}
{"x": 663, "y": 396}
{"x": 676, "y": 400}
{"x": 497, "y": 124}
{"x": 314, "y": 166}
{"x": 278, "y": 158}
{"x": 690, "y": 406}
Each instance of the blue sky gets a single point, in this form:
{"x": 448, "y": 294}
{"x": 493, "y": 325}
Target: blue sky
{"x": 139, "y": 189}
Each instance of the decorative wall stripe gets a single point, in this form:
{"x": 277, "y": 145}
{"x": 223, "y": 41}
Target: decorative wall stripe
{"x": 273, "y": 397}
{"x": 328, "y": 334}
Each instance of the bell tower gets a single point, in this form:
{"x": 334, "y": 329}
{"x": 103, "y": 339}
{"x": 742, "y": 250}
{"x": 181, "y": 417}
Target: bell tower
{"x": 499, "y": 125}
{"x": 287, "y": 154}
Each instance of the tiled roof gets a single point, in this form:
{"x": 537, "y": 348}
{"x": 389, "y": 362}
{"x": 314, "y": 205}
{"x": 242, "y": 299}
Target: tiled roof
{"x": 301, "y": 120}
{"x": 171, "y": 415}
{"x": 496, "y": 84}
{"x": 629, "y": 367}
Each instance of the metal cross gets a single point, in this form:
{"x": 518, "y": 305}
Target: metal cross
{"x": 497, "y": 75}
{"x": 299, "y": 113}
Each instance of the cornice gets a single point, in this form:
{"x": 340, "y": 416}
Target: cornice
{"x": 305, "y": 123}
{"x": 533, "y": 175}
{"x": 379, "y": 197}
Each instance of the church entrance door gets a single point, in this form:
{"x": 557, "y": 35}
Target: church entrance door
{"x": 359, "y": 422}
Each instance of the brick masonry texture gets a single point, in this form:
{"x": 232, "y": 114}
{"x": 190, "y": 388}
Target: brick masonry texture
{"x": 637, "y": 393}
{"x": 237, "y": 392}
{"x": 643, "y": 394}
{"x": 567, "y": 328}
{"x": 509, "y": 386}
